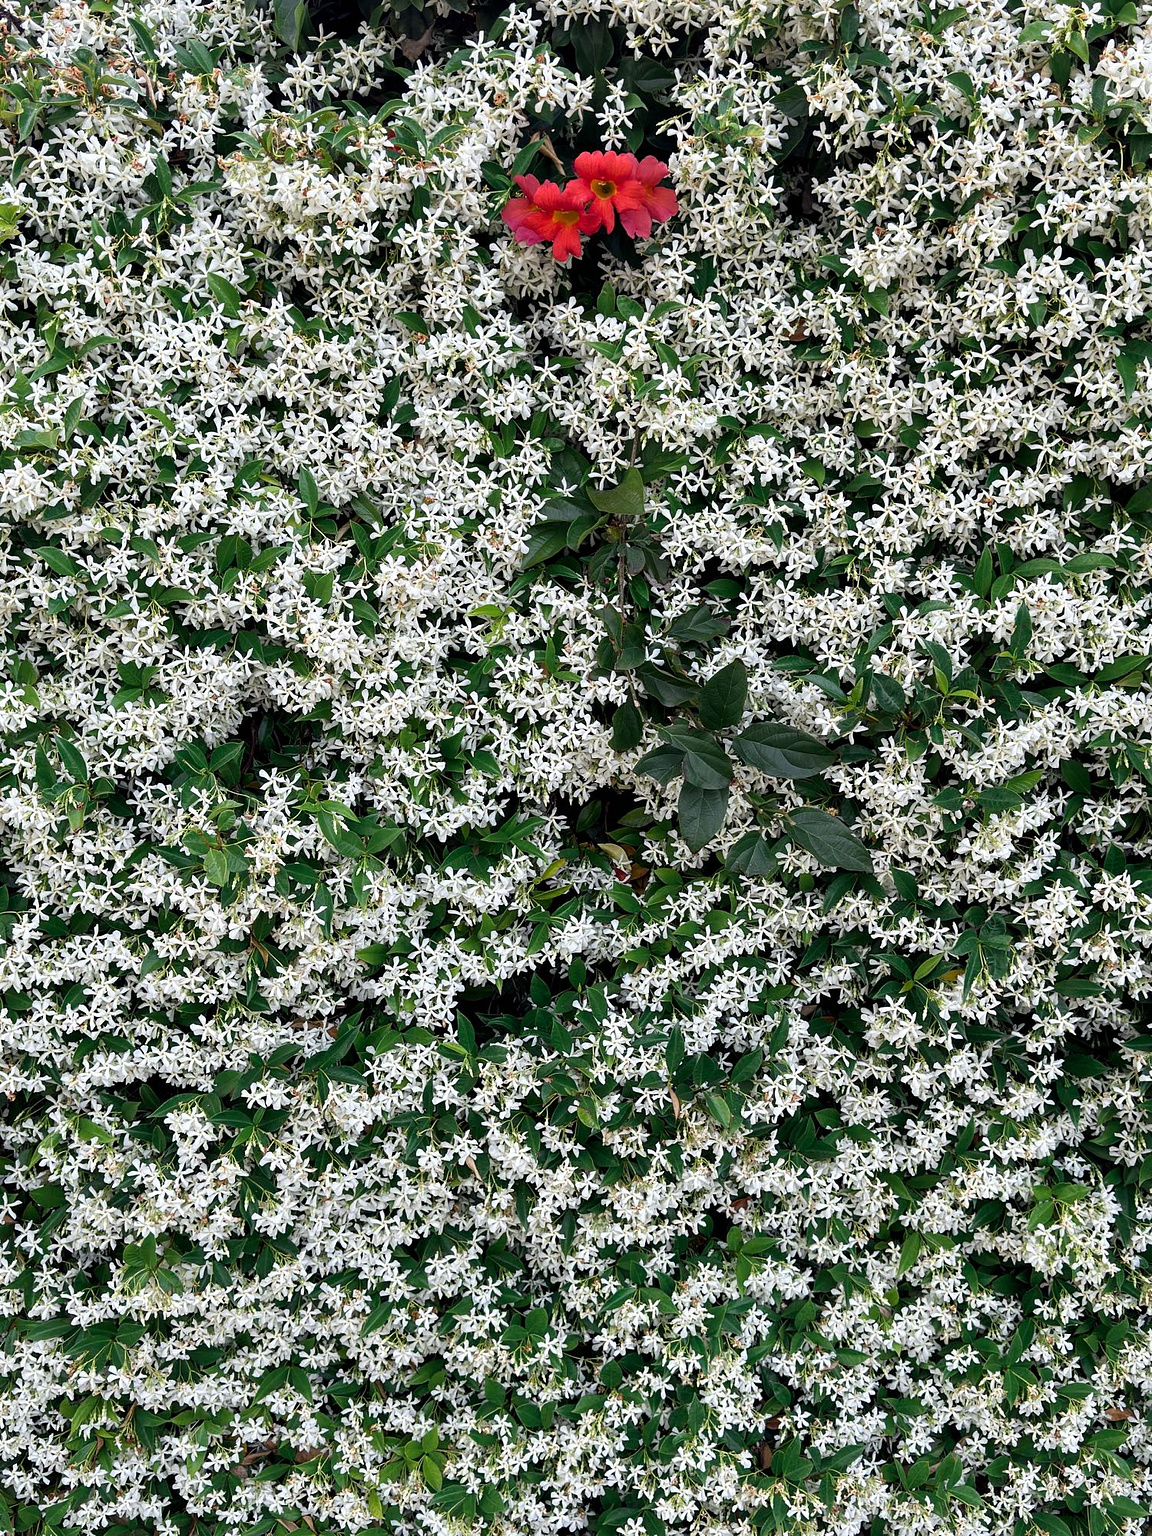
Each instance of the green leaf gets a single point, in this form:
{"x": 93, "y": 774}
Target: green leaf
{"x": 623, "y": 500}
{"x": 88, "y": 1130}
{"x": 1090, "y": 560}
{"x": 32, "y": 437}
{"x": 627, "y": 727}
{"x": 46, "y": 780}
{"x": 1128, "y": 363}
{"x": 227, "y": 296}
{"x": 752, "y": 856}
{"x": 72, "y": 417}
{"x": 781, "y": 751}
{"x": 658, "y": 462}
{"x": 718, "y": 1109}
{"x": 963, "y": 83}
{"x": 455, "y": 1499}
{"x": 701, "y": 814}
{"x": 888, "y": 694}
{"x": 648, "y": 76}
{"x": 1052, "y": 1525}
{"x": 967, "y": 1495}
{"x": 57, "y": 560}
{"x": 232, "y": 550}
{"x": 792, "y": 102}
{"x": 829, "y": 840}
{"x": 308, "y": 491}
{"x": 216, "y": 866}
{"x": 290, "y": 19}
{"x": 662, "y": 763}
{"x": 592, "y": 44}
{"x": 706, "y": 763}
{"x": 723, "y": 697}
{"x": 1124, "y": 1507}
{"x": 431, "y": 1473}
{"x": 1077, "y": 43}
{"x": 909, "y": 1253}
{"x": 377, "y": 1317}
{"x": 545, "y": 541}
{"x": 72, "y": 759}
{"x": 664, "y": 687}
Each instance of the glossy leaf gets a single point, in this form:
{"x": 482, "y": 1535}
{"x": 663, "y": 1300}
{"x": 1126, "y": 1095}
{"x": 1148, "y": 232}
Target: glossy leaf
{"x": 700, "y": 814}
{"x": 623, "y": 500}
{"x": 723, "y": 697}
{"x": 828, "y": 840}
{"x": 705, "y": 761}
{"x": 781, "y": 751}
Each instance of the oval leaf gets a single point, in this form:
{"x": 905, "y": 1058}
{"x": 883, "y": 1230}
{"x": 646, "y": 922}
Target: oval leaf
{"x": 888, "y": 693}
{"x": 545, "y": 541}
{"x": 701, "y": 814}
{"x": 662, "y": 763}
{"x": 627, "y": 727}
{"x": 706, "y": 763}
{"x": 723, "y": 697}
{"x": 72, "y": 759}
{"x": 216, "y": 866}
{"x": 781, "y": 751}
{"x": 829, "y": 840}
{"x": 623, "y": 500}
{"x": 752, "y": 856}
{"x": 663, "y": 687}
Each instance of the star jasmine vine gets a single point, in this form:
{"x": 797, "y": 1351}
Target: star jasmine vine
{"x": 575, "y": 781}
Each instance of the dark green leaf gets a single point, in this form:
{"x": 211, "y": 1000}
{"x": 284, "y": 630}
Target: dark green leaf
{"x": 888, "y": 694}
{"x": 701, "y": 814}
{"x": 623, "y": 500}
{"x": 72, "y": 759}
{"x": 723, "y": 697}
{"x": 1052, "y": 1525}
{"x": 545, "y": 541}
{"x": 781, "y": 751}
{"x": 662, "y": 763}
{"x": 627, "y": 728}
{"x": 829, "y": 840}
{"x": 291, "y": 21}
{"x": 909, "y": 1253}
{"x": 751, "y": 856}
{"x": 592, "y": 44}
{"x": 664, "y": 687}
{"x": 706, "y": 763}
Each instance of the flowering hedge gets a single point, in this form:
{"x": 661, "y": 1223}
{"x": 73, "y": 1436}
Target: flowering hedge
{"x": 575, "y": 790}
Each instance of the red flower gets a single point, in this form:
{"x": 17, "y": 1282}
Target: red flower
{"x": 520, "y": 212}
{"x": 607, "y": 183}
{"x": 552, "y": 213}
{"x": 658, "y": 204}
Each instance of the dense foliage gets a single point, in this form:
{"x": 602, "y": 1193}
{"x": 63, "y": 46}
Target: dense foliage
{"x": 577, "y": 834}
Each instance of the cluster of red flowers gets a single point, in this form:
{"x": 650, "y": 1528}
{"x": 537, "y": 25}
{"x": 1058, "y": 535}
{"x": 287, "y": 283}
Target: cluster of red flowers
{"x": 605, "y": 185}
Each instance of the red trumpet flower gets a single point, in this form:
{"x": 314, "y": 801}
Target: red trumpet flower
{"x": 607, "y": 183}
{"x": 659, "y": 203}
{"x": 520, "y": 212}
{"x": 549, "y": 213}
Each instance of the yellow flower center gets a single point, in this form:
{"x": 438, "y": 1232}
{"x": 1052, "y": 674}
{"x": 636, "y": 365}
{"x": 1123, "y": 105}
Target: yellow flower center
{"x": 604, "y": 188}
{"x": 566, "y": 215}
